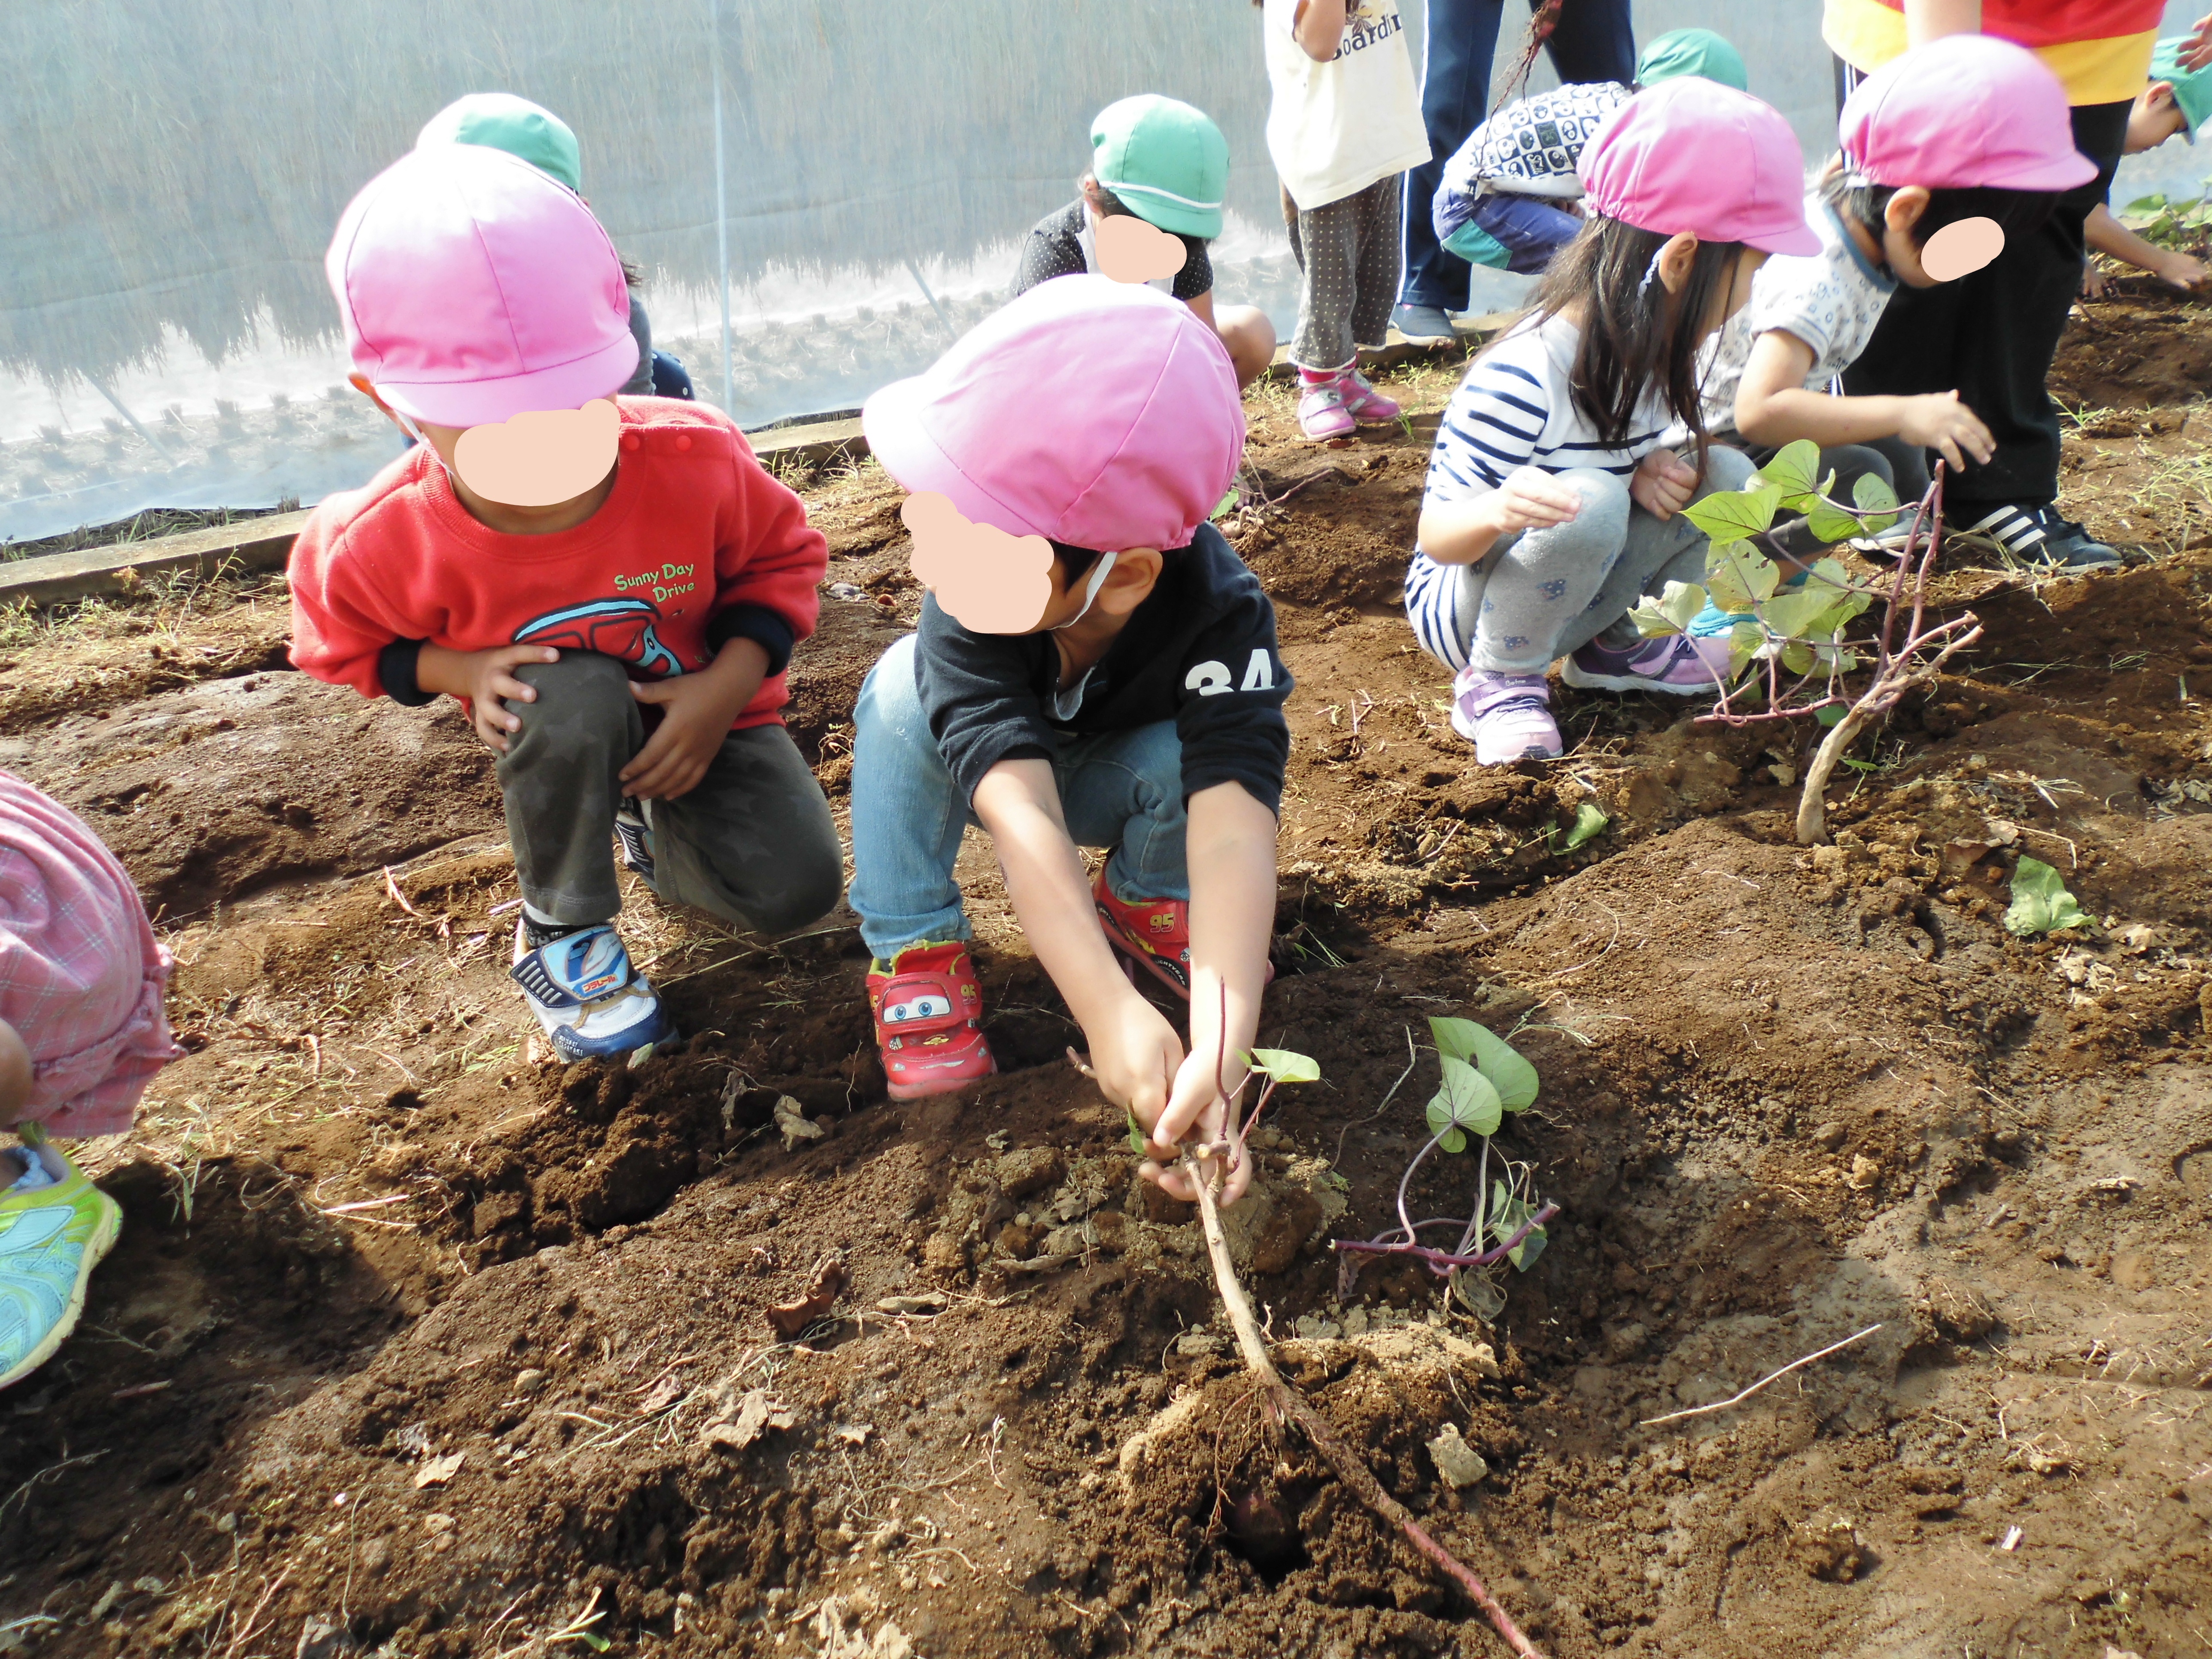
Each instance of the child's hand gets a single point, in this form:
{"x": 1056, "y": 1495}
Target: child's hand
{"x": 16, "y": 1075}
{"x": 2181, "y": 270}
{"x": 1195, "y": 1112}
{"x": 1662, "y": 484}
{"x": 1136, "y": 1054}
{"x": 695, "y": 713}
{"x": 1940, "y": 422}
{"x": 491, "y": 678}
{"x": 2092, "y": 282}
{"x": 1532, "y": 499}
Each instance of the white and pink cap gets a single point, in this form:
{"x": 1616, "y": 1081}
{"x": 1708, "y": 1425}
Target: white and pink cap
{"x": 1962, "y": 112}
{"x": 1691, "y": 156}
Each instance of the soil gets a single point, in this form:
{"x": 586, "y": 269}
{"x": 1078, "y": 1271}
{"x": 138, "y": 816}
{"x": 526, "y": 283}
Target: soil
{"x": 417, "y": 1344}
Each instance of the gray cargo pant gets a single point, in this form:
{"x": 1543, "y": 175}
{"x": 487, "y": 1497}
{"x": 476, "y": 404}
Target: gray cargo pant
{"x": 752, "y": 841}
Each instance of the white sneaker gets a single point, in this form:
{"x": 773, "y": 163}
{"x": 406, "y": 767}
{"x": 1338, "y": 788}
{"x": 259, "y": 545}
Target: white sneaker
{"x": 592, "y": 1004}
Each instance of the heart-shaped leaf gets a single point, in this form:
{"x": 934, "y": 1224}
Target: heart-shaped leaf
{"x": 1734, "y": 515}
{"x": 1283, "y": 1066}
{"x": 1738, "y": 580}
{"x": 1590, "y": 821}
{"x": 1797, "y": 657}
{"x": 1831, "y": 523}
{"x": 1509, "y": 1213}
{"x": 1652, "y": 622}
{"x": 1512, "y": 1077}
{"x": 1744, "y": 641}
{"x": 1794, "y": 467}
{"x": 1875, "y": 499}
{"x": 1464, "y": 1101}
{"x": 2040, "y": 902}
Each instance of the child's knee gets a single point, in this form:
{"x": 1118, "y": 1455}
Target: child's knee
{"x": 585, "y": 692}
{"x": 814, "y": 883}
{"x": 1605, "y": 504}
{"x": 1726, "y": 468}
{"x": 890, "y": 701}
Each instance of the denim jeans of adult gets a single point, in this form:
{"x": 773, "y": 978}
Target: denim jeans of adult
{"x": 1594, "y": 41}
{"x": 1118, "y": 789}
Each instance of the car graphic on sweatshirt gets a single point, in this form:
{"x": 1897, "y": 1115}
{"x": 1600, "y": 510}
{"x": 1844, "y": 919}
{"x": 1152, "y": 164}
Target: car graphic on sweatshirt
{"x": 622, "y": 629}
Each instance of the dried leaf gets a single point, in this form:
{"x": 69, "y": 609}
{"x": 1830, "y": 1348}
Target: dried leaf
{"x": 437, "y": 1471}
{"x": 790, "y": 1318}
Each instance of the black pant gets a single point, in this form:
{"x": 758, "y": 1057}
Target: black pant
{"x": 1593, "y": 42}
{"x": 1992, "y": 335}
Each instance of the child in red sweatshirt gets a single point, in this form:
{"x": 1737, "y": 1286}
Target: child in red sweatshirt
{"x": 612, "y": 588}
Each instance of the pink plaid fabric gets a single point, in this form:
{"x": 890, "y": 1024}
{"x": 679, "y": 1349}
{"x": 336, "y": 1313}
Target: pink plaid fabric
{"x": 81, "y": 972}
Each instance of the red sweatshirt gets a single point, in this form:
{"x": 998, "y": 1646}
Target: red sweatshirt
{"x": 695, "y": 545}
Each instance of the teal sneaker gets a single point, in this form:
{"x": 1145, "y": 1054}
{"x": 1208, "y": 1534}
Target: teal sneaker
{"x": 51, "y": 1239}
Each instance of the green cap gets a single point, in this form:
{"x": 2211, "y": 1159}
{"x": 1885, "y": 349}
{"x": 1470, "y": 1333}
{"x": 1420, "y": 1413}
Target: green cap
{"x": 500, "y": 120}
{"x": 1167, "y": 161}
{"x": 2192, "y": 88}
{"x": 1692, "y": 51}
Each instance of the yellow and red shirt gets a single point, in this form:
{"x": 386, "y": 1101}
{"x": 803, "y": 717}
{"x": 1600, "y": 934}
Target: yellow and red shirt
{"x": 2100, "y": 49}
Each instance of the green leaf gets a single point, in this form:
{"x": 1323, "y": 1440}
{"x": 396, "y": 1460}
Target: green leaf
{"x": 1830, "y": 524}
{"x": 1734, "y": 515}
{"x": 1877, "y": 500}
{"x": 1509, "y": 1213}
{"x": 1227, "y": 501}
{"x": 1795, "y": 467}
{"x": 1791, "y": 615}
{"x": 2145, "y": 203}
{"x": 1453, "y": 1141}
{"x": 1831, "y": 714}
{"x": 1498, "y": 1061}
{"x": 1590, "y": 821}
{"x": 1652, "y": 621}
{"x": 1137, "y": 1139}
{"x": 2039, "y": 900}
{"x": 1466, "y": 1100}
{"x": 1739, "y": 580}
{"x": 1797, "y": 657}
{"x": 1283, "y": 1066}
{"x": 1744, "y": 641}
{"x": 1680, "y": 602}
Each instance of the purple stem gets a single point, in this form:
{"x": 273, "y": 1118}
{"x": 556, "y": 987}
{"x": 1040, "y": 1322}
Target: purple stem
{"x": 1443, "y": 1262}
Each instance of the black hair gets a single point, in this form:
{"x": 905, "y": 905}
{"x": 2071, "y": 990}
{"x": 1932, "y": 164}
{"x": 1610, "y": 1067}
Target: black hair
{"x": 631, "y": 275}
{"x": 2020, "y": 211}
{"x": 1075, "y": 562}
{"x": 1108, "y": 205}
{"x": 1628, "y": 344}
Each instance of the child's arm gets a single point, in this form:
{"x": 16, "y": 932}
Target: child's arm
{"x": 1931, "y": 20}
{"x": 1134, "y": 1050}
{"x": 16, "y": 1075}
{"x": 1461, "y": 532}
{"x": 2108, "y": 235}
{"x": 1319, "y": 26}
{"x": 1230, "y": 848}
{"x": 1773, "y": 406}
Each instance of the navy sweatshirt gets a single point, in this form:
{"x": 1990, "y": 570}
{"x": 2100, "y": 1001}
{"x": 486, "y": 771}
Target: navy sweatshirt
{"x": 1199, "y": 651}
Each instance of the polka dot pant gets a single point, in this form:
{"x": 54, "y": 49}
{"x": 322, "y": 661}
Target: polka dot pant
{"x": 1350, "y": 253}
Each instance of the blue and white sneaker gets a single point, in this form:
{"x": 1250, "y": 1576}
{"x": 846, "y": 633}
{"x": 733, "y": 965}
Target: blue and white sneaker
{"x": 52, "y": 1234}
{"x": 634, "y": 828}
{"x": 592, "y": 1004}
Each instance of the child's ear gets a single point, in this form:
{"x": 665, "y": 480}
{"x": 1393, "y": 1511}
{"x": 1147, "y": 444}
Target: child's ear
{"x": 1905, "y": 208}
{"x": 1130, "y": 582}
{"x": 2159, "y": 94}
{"x": 1675, "y": 257}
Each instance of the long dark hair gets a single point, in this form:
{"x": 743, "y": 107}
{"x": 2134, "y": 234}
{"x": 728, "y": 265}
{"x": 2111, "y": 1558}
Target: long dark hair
{"x": 1628, "y": 342}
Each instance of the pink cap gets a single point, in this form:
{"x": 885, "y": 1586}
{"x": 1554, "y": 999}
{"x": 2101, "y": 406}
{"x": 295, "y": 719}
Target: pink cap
{"x": 475, "y": 289}
{"x": 1100, "y": 414}
{"x": 1691, "y": 154}
{"x": 1964, "y": 110}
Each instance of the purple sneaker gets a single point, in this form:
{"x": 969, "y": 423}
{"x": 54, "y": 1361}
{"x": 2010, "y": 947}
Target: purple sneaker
{"x": 1678, "y": 666}
{"x": 1323, "y": 416}
{"x": 1368, "y": 406}
{"x": 1507, "y": 717}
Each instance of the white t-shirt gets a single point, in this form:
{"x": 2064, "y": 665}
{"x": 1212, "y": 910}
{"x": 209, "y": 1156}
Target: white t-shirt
{"x": 1514, "y": 409}
{"x": 1831, "y": 300}
{"x": 1335, "y": 128}
{"x": 1532, "y": 146}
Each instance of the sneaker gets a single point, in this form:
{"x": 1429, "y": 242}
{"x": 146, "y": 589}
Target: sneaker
{"x": 1423, "y": 324}
{"x": 634, "y": 828}
{"x": 928, "y": 1011}
{"x": 592, "y": 1004}
{"x": 1323, "y": 416}
{"x": 1153, "y": 934}
{"x": 1368, "y": 406}
{"x": 1507, "y": 717}
{"x": 1678, "y": 666}
{"x": 2039, "y": 537}
{"x": 51, "y": 1239}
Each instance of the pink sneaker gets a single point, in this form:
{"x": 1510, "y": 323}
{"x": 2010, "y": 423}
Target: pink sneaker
{"x": 1677, "y": 666}
{"x": 1507, "y": 717}
{"x": 1322, "y": 414}
{"x": 1369, "y": 407}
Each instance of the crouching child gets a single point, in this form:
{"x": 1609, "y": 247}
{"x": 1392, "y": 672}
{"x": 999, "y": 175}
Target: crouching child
{"x": 1095, "y": 667}
{"x": 611, "y": 586}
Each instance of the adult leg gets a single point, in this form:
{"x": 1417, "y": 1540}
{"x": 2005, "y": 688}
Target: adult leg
{"x": 1460, "y": 39}
{"x": 560, "y": 778}
{"x": 908, "y": 816}
{"x": 1595, "y": 41}
{"x": 753, "y": 841}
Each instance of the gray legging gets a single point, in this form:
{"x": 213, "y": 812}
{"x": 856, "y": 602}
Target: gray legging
{"x": 1541, "y": 594}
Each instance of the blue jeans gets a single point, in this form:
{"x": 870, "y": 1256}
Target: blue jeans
{"x": 1119, "y": 789}
{"x": 1519, "y": 234}
{"x": 1593, "y": 42}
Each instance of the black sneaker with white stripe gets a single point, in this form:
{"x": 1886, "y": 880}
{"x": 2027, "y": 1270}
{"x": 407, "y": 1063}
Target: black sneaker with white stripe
{"x": 636, "y": 833}
{"x": 2037, "y": 536}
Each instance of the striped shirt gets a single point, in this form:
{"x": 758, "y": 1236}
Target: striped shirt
{"x": 1514, "y": 410}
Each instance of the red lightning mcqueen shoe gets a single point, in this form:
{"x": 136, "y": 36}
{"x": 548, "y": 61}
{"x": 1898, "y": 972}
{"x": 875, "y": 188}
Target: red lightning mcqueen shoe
{"x": 929, "y": 1021}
